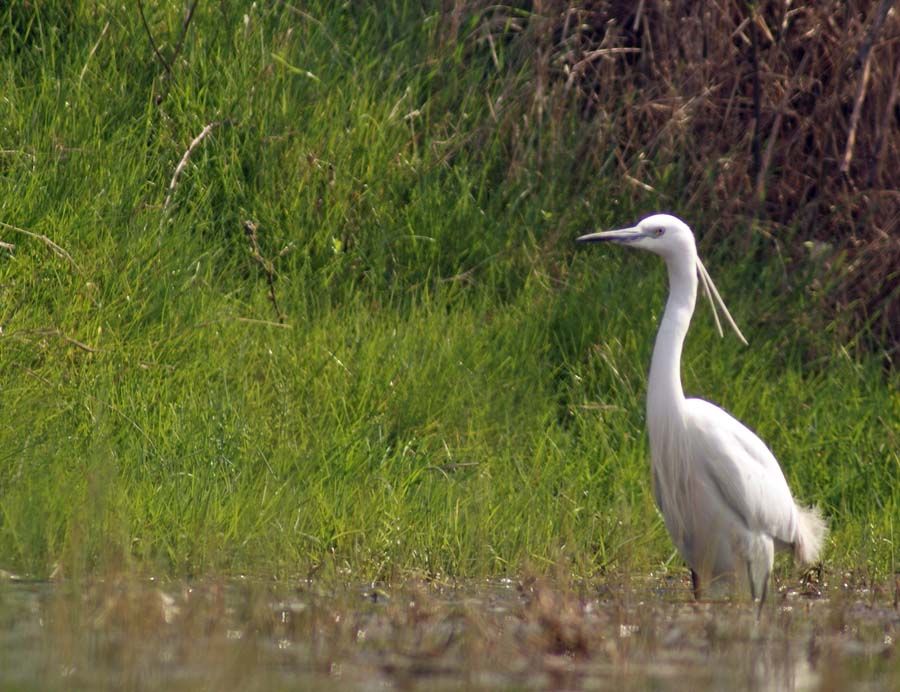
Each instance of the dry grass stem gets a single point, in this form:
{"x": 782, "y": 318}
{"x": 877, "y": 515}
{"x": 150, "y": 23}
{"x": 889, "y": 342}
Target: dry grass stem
{"x": 93, "y": 50}
{"x": 78, "y": 344}
{"x": 204, "y": 133}
{"x": 266, "y": 323}
{"x": 789, "y": 93}
{"x": 865, "y": 58}
{"x": 24, "y": 334}
{"x": 159, "y": 56}
{"x": 55, "y": 248}
{"x": 268, "y": 266}
{"x": 185, "y": 25}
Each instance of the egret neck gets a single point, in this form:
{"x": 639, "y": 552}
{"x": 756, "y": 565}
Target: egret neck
{"x": 665, "y": 396}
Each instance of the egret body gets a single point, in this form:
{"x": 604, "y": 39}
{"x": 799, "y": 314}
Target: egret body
{"x": 722, "y": 494}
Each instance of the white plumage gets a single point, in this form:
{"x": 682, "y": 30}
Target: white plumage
{"x": 721, "y": 492}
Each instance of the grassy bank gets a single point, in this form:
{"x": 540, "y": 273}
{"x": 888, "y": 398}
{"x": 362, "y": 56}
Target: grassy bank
{"x": 441, "y": 383}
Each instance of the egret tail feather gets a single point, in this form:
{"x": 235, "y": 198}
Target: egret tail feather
{"x": 810, "y": 534}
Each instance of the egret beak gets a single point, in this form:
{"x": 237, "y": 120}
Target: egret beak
{"x": 623, "y": 235}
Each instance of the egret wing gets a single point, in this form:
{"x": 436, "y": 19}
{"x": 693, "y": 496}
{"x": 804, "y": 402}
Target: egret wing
{"x": 743, "y": 470}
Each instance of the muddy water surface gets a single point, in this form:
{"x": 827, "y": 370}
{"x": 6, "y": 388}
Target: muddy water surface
{"x": 255, "y": 635}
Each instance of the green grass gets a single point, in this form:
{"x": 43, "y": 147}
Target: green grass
{"x": 454, "y": 389}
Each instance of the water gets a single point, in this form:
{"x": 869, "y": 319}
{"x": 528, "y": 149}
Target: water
{"x": 248, "y": 635}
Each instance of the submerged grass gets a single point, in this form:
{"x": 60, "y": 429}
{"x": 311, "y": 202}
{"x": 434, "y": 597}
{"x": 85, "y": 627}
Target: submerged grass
{"x": 441, "y": 386}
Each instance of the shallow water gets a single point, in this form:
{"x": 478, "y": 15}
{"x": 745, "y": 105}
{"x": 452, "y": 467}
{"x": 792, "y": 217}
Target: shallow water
{"x": 240, "y": 634}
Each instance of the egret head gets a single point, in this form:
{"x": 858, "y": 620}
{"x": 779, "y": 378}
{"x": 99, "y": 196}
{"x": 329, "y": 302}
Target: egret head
{"x": 662, "y": 234}
{"x": 672, "y": 239}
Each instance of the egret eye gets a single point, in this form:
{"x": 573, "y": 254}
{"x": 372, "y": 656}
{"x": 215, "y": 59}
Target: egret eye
{"x": 659, "y": 231}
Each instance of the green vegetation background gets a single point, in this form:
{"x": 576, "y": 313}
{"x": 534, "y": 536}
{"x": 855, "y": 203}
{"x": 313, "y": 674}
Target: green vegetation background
{"x": 455, "y": 389}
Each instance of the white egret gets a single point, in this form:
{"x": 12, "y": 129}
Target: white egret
{"x": 720, "y": 489}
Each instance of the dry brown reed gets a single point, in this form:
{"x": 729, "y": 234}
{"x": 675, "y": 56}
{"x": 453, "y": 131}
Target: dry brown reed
{"x": 779, "y": 116}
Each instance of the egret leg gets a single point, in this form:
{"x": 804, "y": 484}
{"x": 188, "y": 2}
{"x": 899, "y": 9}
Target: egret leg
{"x": 762, "y": 596}
{"x": 695, "y": 585}
{"x": 758, "y": 589}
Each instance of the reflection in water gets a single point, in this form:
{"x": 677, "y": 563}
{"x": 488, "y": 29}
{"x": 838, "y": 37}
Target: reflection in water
{"x": 255, "y": 635}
